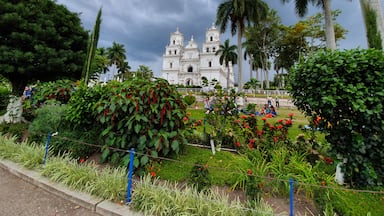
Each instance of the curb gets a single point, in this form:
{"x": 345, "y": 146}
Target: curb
{"x": 92, "y": 203}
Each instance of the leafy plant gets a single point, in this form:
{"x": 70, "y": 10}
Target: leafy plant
{"x": 48, "y": 118}
{"x": 189, "y": 99}
{"x": 4, "y": 99}
{"x": 59, "y": 91}
{"x": 199, "y": 177}
{"x": 350, "y": 108}
{"x": 141, "y": 114}
{"x": 16, "y": 130}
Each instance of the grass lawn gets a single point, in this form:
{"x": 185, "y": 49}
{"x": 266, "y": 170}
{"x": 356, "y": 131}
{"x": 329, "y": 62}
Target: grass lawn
{"x": 224, "y": 166}
{"x": 223, "y": 160}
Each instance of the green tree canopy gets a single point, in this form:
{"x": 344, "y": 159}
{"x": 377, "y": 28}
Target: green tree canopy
{"x": 40, "y": 40}
{"x": 345, "y": 90}
{"x": 237, "y": 14}
{"x": 227, "y": 54}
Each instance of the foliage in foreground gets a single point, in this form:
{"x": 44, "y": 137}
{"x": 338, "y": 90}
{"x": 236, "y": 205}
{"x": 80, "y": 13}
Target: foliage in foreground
{"x": 154, "y": 197}
{"x": 349, "y": 108}
{"x": 140, "y": 114}
{"x": 111, "y": 183}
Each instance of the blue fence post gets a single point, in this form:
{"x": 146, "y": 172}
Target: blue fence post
{"x": 291, "y": 204}
{"x": 130, "y": 172}
{"x": 47, "y": 147}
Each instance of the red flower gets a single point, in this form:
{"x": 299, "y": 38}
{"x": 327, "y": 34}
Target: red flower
{"x": 185, "y": 118}
{"x": 290, "y": 115}
{"x": 271, "y": 128}
{"x": 253, "y": 115}
{"x": 288, "y": 122}
{"x": 275, "y": 139}
{"x": 279, "y": 126}
{"x": 259, "y": 132}
{"x": 269, "y": 115}
{"x": 328, "y": 160}
{"x": 264, "y": 119}
{"x": 188, "y": 114}
{"x": 82, "y": 160}
{"x": 237, "y": 143}
{"x": 250, "y": 145}
{"x": 243, "y": 116}
{"x": 323, "y": 183}
{"x": 153, "y": 174}
{"x": 251, "y": 140}
{"x": 206, "y": 166}
{"x": 280, "y": 121}
{"x": 249, "y": 172}
{"x": 237, "y": 121}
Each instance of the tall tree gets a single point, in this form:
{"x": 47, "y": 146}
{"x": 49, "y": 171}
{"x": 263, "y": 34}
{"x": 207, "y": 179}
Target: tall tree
{"x": 92, "y": 46}
{"x": 238, "y": 13}
{"x": 301, "y": 10}
{"x": 40, "y": 40}
{"x": 370, "y": 18}
{"x": 261, "y": 40}
{"x": 227, "y": 54}
{"x": 116, "y": 54}
{"x": 144, "y": 72}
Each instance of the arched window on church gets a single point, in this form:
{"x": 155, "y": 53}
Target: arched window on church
{"x": 214, "y": 49}
{"x": 170, "y": 52}
{"x": 207, "y": 49}
{"x": 174, "y": 42}
{"x": 209, "y": 64}
{"x": 211, "y": 38}
{"x": 170, "y": 65}
{"x": 175, "y": 52}
{"x": 190, "y": 69}
{"x": 189, "y": 82}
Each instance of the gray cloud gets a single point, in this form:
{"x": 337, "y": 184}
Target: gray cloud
{"x": 144, "y": 26}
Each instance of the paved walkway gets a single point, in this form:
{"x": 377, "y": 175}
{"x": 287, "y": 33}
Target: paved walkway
{"x": 18, "y": 197}
{"x": 26, "y": 193}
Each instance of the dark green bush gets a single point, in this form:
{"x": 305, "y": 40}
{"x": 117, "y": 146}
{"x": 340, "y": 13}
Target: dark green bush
{"x": 4, "y": 100}
{"x": 189, "y": 99}
{"x": 199, "y": 176}
{"x": 349, "y": 107}
{"x": 14, "y": 129}
{"x": 79, "y": 143}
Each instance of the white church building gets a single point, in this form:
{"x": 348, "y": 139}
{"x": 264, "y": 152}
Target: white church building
{"x": 186, "y": 65}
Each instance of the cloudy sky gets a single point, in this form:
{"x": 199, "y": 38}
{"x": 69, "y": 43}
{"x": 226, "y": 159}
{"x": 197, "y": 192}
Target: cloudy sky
{"x": 144, "y": 26}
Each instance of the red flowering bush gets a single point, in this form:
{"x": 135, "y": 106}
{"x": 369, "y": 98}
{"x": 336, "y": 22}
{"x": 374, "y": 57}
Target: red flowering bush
{"x": 265, "y": 135}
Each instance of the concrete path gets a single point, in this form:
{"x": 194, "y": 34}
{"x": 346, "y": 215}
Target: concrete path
{"x": 18, "y": 197}
{"x": 26, "y": 192}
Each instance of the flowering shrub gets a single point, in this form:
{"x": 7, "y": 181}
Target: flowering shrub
{"x": 199, "y": 177}
{"x": 266, "y": 136}
{"x": 145, "y": 115}
{"x": 349, "y": 107}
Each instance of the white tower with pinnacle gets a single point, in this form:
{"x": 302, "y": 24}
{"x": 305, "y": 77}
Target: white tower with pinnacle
{"x": 186, "y": 65}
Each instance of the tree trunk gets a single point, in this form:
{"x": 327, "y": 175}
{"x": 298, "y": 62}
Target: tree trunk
{"x": 239, "y": 59}
{"x": 250, "y": 67}
{"x": 329, "y": 29}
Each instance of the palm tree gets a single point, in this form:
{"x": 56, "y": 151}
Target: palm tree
{"x": 301, "y": 10}
{"x": 239, "y": 13}
{"x": 261, "y": 39}
{"x": 227, "y": 54}
{"x": 116, "y": 54}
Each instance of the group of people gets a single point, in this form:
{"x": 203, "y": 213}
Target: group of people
{"x": 268, "y": 109}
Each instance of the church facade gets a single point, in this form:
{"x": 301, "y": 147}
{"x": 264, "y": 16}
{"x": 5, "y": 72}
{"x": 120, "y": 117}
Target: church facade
{"x": 187, "y": 65}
